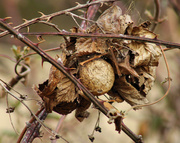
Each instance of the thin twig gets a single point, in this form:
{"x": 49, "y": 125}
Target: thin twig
{"x": 90, "y": 14}
{"x": 30, "y": 54}
{"x": 50, "y": 16}
{"x": 7, "y": 102}
{"x": 157, "y": 14}
{"x": 112, "y": 36}
{"x": 59, "y": 126}
{"x": 20, "y": 100}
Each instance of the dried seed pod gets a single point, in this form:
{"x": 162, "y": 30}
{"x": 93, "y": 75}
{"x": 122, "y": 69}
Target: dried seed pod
{"x": 98, "y": 76}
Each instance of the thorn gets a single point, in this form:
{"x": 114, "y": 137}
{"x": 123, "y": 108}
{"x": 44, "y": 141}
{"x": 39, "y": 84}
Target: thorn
{"x": 37, "y": 44}
{"x": 43, "y": 60}
{"x": 28, "y": 124}
{"x": 42, "y": 14}
{"x": 10, "y": 23}
{"x": 6, "y": 18}
{"x": 101, "y": 4}
{"x": 70, "y": 70}
{"x": 78, "y": 4}
{"x": 25, "y": 20}
{"x": 40, "y": 38}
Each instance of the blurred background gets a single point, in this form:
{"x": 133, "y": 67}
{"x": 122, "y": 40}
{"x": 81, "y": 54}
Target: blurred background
{"x": 158, "y": 123}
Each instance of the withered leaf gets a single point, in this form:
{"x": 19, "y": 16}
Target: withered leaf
{"x": 148, "y": 53}
{"x": 147, "y": 78}
{"x": 85, "y": 46}
{"x": 81, "y": 112}
{"x": 112, "y": 20}
{"x": 58, "y": 89}
{"x": 129, "y": 93}
{"x": 114, "y": 115}
{"x": 126, "y": 68}
{"x": 55, "y": 76}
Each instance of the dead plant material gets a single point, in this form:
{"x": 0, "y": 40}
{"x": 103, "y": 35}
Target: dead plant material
{"x": 124, "y": 69}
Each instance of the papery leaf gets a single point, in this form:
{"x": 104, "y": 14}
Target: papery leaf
{"x": 58, "y": 90}
{"x": 81, "y": 112}
{"x": 147, "y": 78}
{"x": 129, "y": 93}
{"x": 148, "y": 53}
{"x": 85, "y": 46}
{"x": 112, "y": 20}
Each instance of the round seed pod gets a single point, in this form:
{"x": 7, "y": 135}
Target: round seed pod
{"x": 97, "y": 76}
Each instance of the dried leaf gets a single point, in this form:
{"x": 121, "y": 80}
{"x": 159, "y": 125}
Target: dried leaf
{"x": 147, "y": 78}
{"x": 148, "y": 53}
{"x": 58, "y": 90}
{"x": 85, "y": 46}
{"x": 81, "y": 112}
{"x": 55, "y": 75}
{"x": 129, "y": 93}
{"x": 112, "y": 20}
{"x": 125, "y": 67}
{"x": 65, "y": 108}
{"x": 114, "y": 116}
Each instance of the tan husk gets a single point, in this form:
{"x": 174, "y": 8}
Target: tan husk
{"x": 97, "y": 75}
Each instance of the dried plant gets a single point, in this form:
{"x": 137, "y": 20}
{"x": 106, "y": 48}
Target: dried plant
{"x": 110, "y": 56}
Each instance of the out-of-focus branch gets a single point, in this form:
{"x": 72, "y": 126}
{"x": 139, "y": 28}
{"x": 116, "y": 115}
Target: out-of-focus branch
{"x": 157, "y": 14}
{"x": 176, "y": 6}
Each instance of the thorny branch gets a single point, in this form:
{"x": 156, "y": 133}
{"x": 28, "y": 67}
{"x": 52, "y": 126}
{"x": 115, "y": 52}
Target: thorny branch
{"x": 50, "y": 16}
{"x": 113, "y": 36}
{"x": 31, "y": 121}
{"x": 45, "y": 56}
{"x": 59, "y": 66}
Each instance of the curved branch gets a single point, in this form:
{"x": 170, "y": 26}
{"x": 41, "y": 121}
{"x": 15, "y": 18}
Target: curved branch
{"x": 157, "y": 14}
